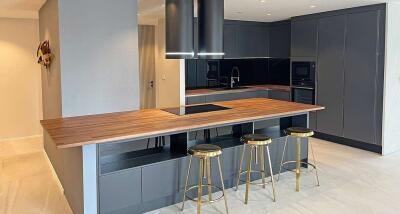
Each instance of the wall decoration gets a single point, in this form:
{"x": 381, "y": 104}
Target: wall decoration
{"x": 44, "y": 54}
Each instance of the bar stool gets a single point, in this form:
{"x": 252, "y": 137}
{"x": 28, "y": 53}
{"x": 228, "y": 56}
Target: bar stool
{"x": 257, "y": 143}
{"x": 298, "y": 133}
{"x": 204, "y": 152}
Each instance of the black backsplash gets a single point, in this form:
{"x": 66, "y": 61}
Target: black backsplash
{"x": 252, "y": 71}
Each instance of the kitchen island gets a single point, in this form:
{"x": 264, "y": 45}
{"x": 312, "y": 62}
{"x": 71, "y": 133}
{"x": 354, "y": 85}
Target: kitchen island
{"x": 133, "y": 162}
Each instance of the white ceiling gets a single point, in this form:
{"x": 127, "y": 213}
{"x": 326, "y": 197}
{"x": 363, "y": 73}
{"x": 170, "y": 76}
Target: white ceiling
{"x": 20, "y": 8}
{"x": 261, "y": 10}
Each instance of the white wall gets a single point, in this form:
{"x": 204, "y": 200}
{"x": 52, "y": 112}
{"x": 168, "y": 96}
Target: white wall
{"x": 170, "y": 78}
{"x": 20, "y": 81}
{"x": 99, "y": 56}
{"x": 391, "y": 117}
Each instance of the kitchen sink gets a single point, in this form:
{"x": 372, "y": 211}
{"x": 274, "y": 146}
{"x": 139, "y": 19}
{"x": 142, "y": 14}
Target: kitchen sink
{"x": 228, "y": 88}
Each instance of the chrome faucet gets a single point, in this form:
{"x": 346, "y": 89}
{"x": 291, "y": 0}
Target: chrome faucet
{"x": 235, "y": 79}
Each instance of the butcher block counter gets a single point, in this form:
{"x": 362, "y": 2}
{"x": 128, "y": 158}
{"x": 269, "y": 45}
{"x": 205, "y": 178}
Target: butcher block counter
{"x": 94, "y": 129}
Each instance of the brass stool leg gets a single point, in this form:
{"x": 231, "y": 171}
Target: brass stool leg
{"x": 272, "y": 173}
{"x": 248, "y": 174}
{"x": 298, "y": 150}
{"x": 186, "y": 183}
{"x": 200, "y": 186}
{"x": 222, "y": 185}
{"x": 283, "y": 157}
{"x": 240, "y": 166}
{"x": 315, "y": 162}
{"x": 209, "y": 182}
{"x": 262, "y": 159}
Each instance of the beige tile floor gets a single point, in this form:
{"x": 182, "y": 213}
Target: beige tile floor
{"x": 352, "y": 181}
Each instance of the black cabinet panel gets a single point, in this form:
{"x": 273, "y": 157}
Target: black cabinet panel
{"x": 230, "y": 48}
{"x": 360, "y": 76}
{"x": 191, "y": 73}
{"x": 304, "y": 38}
{"x": 330, "y": 68}
{"x": 279, "y": 41}
{"x": 201, "y": 80}
{"x": 253, "y": 40}
{"x": 121, "y": 192}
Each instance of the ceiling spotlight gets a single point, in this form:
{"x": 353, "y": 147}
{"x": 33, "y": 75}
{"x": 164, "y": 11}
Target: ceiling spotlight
{"x": 313, "y": 6}
{"x": 268, "y": 14}
{"x": 262, "y": 1}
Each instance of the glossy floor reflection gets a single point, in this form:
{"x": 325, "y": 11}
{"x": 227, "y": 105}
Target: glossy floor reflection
{"x": 352, "y": 181}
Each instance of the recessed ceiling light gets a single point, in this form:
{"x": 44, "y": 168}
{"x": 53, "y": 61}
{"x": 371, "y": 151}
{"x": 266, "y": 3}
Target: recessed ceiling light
{"x": 268, "y": 14}
{"x": 239, "y": 12}
{"x": 262, "y": 1}
{"x": 313, "y": 6}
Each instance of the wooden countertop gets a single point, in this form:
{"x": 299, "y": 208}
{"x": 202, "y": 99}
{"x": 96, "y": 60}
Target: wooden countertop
{"x": 95, "y": 129}
{"x": 201, "y": 92}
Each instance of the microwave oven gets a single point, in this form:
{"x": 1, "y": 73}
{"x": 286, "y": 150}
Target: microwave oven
{"x": 303, "y": 74}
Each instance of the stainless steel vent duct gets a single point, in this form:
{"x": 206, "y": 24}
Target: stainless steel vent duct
{"x": 211, "y": 29}
{"x": 179, "y": 29}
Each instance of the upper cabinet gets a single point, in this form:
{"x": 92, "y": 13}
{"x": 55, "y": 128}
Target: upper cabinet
{"x": 253, "y": 39}
{"x": 304, "y": 38}
{"x": 279, "y": 39}
{"x": 246, "y": 39}
{"x": 230, "y": 33}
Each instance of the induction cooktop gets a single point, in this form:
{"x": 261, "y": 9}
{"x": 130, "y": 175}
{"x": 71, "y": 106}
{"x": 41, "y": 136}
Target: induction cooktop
{"x": 186, "y": 110}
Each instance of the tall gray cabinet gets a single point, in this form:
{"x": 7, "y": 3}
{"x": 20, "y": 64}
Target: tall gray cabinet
{"x": 330, "y": 66}
{"x": 350, "y": 57}
{"x": 361, "y": 70}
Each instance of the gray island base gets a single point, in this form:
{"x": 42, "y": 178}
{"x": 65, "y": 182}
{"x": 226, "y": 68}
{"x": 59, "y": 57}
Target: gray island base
{"x": 140, "y": 175}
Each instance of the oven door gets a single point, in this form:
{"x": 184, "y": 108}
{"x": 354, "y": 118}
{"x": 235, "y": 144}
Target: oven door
{"x": 303, "y": 95}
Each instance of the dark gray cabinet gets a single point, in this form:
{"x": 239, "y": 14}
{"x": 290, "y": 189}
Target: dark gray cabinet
{"x": 330, "y": 68}
{"x": 279, "y": 95}
{"x": 230, "y": 48}
{"x": 253, "y": 40}
{"x": 154, "y": 180}
{"x": 304, "y": 38}
{"x": 361, "y": 64}
{"x": 201, "y": 75}
{"x": 195, "y": 100}
{"x": 121, "y": 192}
{"x": 279, "y": 40}
{"x": 245, "y": 39}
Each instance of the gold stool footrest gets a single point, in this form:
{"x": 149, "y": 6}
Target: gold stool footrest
{"x": 205, "y": 201}
{"x": 294, "y": 170}
{"x": 252, "y": 182}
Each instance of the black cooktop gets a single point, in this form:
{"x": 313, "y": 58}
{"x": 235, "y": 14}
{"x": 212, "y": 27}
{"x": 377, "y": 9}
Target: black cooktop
{"x": 186, "y": 110}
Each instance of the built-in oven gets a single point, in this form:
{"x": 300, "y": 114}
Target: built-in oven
{"x": 303, "y": 74}
{"x": 304, "y": 95}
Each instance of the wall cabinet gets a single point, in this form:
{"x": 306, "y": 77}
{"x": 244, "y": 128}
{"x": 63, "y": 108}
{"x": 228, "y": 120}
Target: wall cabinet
{"x": 279, "y": 39}
{"x": 304, "y": 38}
{"x": 246, "y": 39}
{"x": 330, "y": 67}
{"x": 279, "y": 95}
